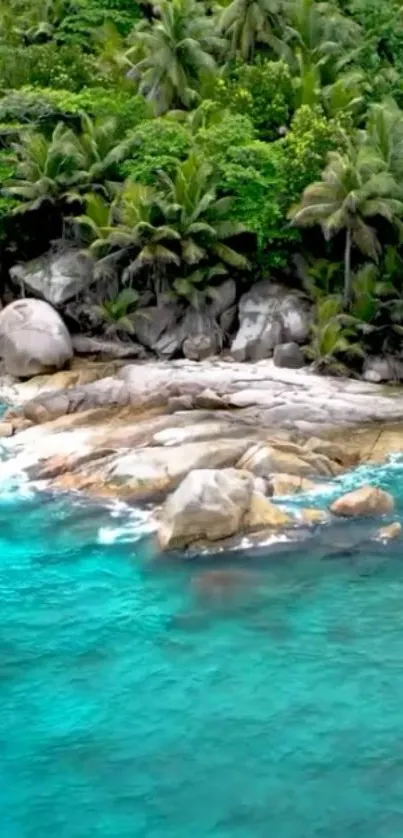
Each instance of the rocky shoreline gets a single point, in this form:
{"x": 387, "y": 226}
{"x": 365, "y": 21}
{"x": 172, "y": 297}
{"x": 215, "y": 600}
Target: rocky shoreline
{"x": 210, "y": 446}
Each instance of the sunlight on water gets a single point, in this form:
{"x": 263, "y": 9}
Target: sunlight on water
{"x": 240, "y": 697}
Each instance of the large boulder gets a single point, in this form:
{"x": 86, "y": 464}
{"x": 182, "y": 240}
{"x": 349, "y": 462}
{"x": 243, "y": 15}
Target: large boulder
{"x": 157, "y": 328}
{"x": 202, "y": 335}
{"x": 57, "y": 276}
{"x": 364, "y": 502}
{"x": 379, "y": 368}
{"x": 33, "y": 338}
{"x": 268, "y": 315}
{"x": 210, "y": 505}
{"x": 289, "y": 355}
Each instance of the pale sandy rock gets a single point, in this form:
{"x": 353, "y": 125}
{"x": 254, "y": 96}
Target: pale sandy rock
{"x": 262, "y": 513}
{"x": 148, "y": 471}
{"x": 208, "y": 504}
{"x": 290, "y": 484}
{"x": 6, "y": 429}
{"x": 208, "y": 400}
{"x": 389, "y": 533}
{"x": 263, "y": 460}
{"x": 333, "y": 450}
{"x": 366, "y": 501}
{"x": 33, "y": 338}
{"x": 312, "y": 517}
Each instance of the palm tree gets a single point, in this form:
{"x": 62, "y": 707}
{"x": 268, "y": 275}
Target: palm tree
{"x": 200, "y": 218}
{"x": 384, "y": 133}
{"x": 249, "y": 22}
{"x": 46, "y": 170}
{"x": 172, "y": 53}
{"x": 319, "y": 44}
{"x": 130, "y": 232}
{"x": 354, "y": 188}
{"x": 103, "y": 148}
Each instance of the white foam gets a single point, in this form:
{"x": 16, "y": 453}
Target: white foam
{"x": 135, "y": 523}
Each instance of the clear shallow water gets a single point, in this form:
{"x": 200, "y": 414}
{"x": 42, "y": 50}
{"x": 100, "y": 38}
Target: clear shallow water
{"x": 142, "y": 698}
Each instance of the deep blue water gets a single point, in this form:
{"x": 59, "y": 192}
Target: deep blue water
{"x": 138, "y": 700}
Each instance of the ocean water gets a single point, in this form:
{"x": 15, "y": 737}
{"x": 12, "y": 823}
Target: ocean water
{"x": 147, "y": 697}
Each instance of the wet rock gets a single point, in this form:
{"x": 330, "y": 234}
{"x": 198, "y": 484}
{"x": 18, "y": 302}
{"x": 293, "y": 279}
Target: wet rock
{"x": 312, "y": 517}
{"x": 364, "y": 502}
{"x": 57, "y": 276}
{"x": 269, "y": 315}
{"x": 389, "y": 533}
{"x": 262, "y": 513}
{"x": 290, "y": 484}
{"x": 289, "y": 355}
{"x": 208, "y": 504}
{"x": 33, "y": 338}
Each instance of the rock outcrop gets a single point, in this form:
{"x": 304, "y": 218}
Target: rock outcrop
{"x": 269, "y": 315}
{"x": 56, "y": 277}
{"x": 33, "y": 338}
{"x": 211, "y": 505}
{"x": 367, "y": 501}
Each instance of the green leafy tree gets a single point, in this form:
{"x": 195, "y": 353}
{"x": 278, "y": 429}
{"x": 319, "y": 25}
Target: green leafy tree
{"x": 172, "y": 52}
{"x": 354, "y": 190}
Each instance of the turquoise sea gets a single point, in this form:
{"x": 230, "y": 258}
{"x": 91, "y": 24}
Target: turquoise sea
{"x": 143, "y": 697}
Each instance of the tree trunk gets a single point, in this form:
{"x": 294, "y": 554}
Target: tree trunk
{"x": 347, "y": 270}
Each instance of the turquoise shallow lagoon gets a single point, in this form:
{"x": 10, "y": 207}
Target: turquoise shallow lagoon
{"x": 138, "y": 700}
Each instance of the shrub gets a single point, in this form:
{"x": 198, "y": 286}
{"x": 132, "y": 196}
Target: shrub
{"x": 305, "y": 149}
{"x": 263, "y": 91}
{"x": 158, "y": 145}
{"x": 48, "y": 65}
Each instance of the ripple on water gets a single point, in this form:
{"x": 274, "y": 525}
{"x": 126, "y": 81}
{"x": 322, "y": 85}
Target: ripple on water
{"x": 141, "y": 696}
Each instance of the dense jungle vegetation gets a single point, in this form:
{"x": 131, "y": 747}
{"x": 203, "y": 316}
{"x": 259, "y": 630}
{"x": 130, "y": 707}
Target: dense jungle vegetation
{"x": 181, "y": 140}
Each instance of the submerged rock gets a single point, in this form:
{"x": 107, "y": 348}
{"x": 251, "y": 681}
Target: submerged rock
{"x": 364, "y": 502}
{"x": 33, "y": 338}
{"x": 390, "y": 532}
